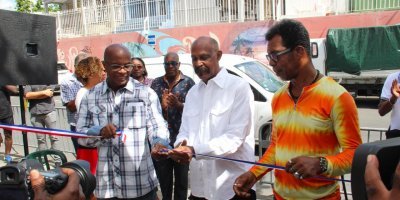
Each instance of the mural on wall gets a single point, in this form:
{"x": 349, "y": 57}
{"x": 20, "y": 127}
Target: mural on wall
{"x": 136, "y": 42}
{"x": 251, "y": 43}
{"x": 245, "y": 38}
{"x": 164, "y": 44}
{"x": 69, "y": 59}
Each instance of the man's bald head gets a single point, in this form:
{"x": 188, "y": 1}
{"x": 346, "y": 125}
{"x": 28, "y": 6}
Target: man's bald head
{"x": 204, "y": 40}
{"x": 115, "y": 49}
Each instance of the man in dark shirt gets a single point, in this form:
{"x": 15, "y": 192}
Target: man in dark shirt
{"x": 171, "y": 90}
{"x": 6, "y": 117}
{"x": 43, "y": 112}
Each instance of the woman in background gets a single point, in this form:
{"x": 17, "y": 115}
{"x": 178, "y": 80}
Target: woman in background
{"x": 139, "y": 71}
{"x": 90, "y": 71}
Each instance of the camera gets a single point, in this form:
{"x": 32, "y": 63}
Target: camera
{"x": 388, "y": 156}
{"x": 15, "y": 182}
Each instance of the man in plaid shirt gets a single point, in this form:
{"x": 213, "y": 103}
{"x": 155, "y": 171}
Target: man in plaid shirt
{"x": 125, "y": 169}
{"x": 69, "y": 88}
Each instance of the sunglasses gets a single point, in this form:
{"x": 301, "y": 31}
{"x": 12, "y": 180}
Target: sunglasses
{"x": 173, "y": 63}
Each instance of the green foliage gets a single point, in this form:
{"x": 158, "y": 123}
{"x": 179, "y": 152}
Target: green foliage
{"x": 24, "y": 6}
{"x": 54, "y": 7}
{"x": 27, "y": 6}
{"x": 38, "y": 7}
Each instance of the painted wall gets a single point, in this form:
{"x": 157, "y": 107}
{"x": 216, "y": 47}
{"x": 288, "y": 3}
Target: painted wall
{"x": 245, "y": 38}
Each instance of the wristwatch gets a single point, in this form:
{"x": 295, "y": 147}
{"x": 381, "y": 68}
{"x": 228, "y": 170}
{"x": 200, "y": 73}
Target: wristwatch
{"x": 323, "y": 164}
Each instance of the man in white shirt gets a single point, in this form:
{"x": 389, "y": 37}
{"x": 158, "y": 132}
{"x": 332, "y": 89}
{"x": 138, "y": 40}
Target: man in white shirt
{"x": 216, "y": 121}
{"x": 389, "y": 96}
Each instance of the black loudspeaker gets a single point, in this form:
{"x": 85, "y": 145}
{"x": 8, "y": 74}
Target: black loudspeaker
{"x": 28, "y": 49}
{"x": 388, "y": 153}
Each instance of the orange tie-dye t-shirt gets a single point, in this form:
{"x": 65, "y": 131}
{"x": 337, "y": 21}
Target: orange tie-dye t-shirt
{"x": 323, "y": 122}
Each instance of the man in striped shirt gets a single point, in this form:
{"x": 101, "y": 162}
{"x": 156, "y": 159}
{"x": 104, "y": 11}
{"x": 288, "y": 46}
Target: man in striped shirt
{"x": 125, "y": 169}
{"x": 315, "y": 123}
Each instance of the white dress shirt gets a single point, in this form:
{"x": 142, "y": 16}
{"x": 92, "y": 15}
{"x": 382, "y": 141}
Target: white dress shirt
{"x": 217, "y": 120}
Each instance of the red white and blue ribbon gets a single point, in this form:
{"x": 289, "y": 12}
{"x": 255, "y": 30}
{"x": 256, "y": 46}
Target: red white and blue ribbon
{"x": 47, "y": 131}
{"x": 60, "y": 132}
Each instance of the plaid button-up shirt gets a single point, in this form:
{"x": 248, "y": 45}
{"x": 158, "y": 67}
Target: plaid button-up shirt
{"x": 69, "y": 88}
{"x": 125, "y": 168}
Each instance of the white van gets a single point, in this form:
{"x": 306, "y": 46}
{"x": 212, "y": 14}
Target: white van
{"x": 261, "y": 78}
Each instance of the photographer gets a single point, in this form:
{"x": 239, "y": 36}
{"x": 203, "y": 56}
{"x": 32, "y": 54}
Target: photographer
{"x": 71, "y": 191}
{"x": 374, "y": 185}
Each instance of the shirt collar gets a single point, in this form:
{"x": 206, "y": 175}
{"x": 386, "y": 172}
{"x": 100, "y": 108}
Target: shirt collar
{"x": 219, "y": 79}
{"x": 181, "y": 76}
{"x": 129, "y": 86}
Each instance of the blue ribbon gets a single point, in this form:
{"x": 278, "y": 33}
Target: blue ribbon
{"x": 264, "y": 165}
{"x": 269, "y": 166}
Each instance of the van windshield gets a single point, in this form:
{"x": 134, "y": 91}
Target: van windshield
{"x": 261, "y": 74}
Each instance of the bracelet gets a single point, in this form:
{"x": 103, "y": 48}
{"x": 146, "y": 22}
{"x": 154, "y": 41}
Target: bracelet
{"x": 323, "y": 164}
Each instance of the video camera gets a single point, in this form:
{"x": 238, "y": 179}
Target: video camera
{"x": 15, "y": 182}
{"x": 387, "y": 152}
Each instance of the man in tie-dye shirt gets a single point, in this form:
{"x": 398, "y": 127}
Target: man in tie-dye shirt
{"x": 315, "y": 123}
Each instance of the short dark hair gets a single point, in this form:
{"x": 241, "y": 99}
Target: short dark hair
{"x": 144, "y": 66}
{"x": 171, "y": 54}
{"x": 293, "y": 34}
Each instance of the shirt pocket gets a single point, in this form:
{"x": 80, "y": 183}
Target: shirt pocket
{"x": 135, "y": 115}
{"x": 219, "y": 116}
{"x": 99, "y": 115}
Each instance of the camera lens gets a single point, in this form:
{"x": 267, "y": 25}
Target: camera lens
{"x": 87, "y": 179}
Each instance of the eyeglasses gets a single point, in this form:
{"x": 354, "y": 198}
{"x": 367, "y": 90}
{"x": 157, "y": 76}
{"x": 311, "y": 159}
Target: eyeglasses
{"x": 173, "y": 63}
{"x": 117, "y": 67}
{"x": 275, "y": 55}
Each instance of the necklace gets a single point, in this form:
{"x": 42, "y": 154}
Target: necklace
{"x": 316, "y": 78}
{"x": 297, "y": 97}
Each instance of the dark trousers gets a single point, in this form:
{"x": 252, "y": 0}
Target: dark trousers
{"x": 166, "y": 171}
{"x": 252, "y": 197}
{"x": 392, "y": 133}
{"x": 74, "y": 140}
{"x": 149, "y": 196}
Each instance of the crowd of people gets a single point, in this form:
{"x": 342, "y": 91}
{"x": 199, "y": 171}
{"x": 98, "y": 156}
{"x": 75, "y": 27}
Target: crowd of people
{"x": 172, "y": 129}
